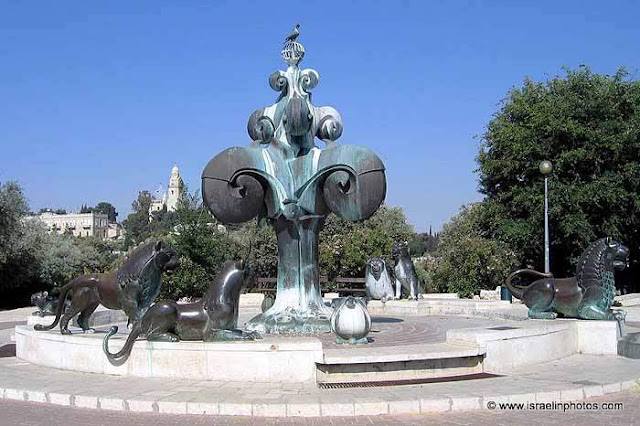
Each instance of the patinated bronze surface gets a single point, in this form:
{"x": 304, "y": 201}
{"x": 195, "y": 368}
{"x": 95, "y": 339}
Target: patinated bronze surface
{"x": 46, "y": 304}
{"x": 351, "y": 321}
{"x": 378, "y": 284}
{"x": 132, "y": 288}
{"x": 214, "y": 317}
{"x": 588, "y": 295}
{"x": 406, "y": 277}
{"x": 284, "y": 177}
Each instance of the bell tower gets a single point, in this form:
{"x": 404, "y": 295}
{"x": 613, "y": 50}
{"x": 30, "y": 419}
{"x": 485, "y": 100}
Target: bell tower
{"x": 174, "y": 191}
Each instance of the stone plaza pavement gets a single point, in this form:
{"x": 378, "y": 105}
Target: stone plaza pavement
{"x": 90, "y": 399}
{"x": 37, "y": 414}
{"x": 550, "y": 382}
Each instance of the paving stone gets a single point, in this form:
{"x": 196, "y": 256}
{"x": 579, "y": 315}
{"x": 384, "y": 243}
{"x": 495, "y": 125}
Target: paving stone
{"x": 575, "y": 394}
{"x": 270, "y": 410}
{"x": 435, "y": 405}
{"x": 85, "y": 401}
{"x": 374, "y": 408}
{"x": 59, "y": 399}
{"x": 548, "y": 396}
{"x": 36, "y": 396}
{"x": 172, "y": 407}
{"x": 202, "y": 408}
{"x": 232, "y": 409}
{"x": 337, "y": 409}
{"x": 141, "y": 406}
{"x": 471, "y": 403}
{"x": 115, "y": 404}
{"x": 305, "y": 409}
{"x": 404, "y": 407}
{"x": 594, "y": 390}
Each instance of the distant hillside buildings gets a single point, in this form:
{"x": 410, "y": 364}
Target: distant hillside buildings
{"x": 80, "y": 224}
{"x": 97, "y": 224}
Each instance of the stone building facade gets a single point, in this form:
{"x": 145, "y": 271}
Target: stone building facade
{"x": 79, "y": 224}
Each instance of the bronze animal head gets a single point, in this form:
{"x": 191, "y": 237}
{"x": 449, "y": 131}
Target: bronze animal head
{"x": 400, "y": 249}
{"x": 39, "y": 299}
{"x": 376, "y": 266}
{"x": 617, "y": 254}
{"x": 166, "y": 258}
{"x": 228, "y": 283}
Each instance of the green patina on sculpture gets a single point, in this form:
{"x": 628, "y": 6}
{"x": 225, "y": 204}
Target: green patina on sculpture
{"x": 588, "y": 295}
{"x": 285, "y": 178}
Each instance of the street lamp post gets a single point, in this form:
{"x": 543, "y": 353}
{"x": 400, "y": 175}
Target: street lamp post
{"x": 545, "y": 168}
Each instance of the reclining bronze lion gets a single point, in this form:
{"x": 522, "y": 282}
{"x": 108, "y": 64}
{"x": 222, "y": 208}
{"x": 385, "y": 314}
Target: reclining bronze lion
{"x": 214, "y": 317}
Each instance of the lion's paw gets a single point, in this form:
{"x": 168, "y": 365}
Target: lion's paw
{"x": 254, "y": 335}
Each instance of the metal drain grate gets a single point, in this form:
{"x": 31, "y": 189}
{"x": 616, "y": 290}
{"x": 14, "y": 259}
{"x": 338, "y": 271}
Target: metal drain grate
{"x": 407, "y": 382}
{"x": 8, "y": 351}
{"x": 503, "y": 327}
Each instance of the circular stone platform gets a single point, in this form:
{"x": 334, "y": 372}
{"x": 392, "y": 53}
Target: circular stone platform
{"x": 279, "y": 358}
{"x": 409, "y": 367}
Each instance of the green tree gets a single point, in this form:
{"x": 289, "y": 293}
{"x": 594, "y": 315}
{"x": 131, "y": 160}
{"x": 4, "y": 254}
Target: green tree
{"x": 261, "y": 239}
{"x": 108, "y": 209}
{"x": 136, "y": 224}
{"x": 345, "y": 246}
{"x": 588, "y": 126}
{"x": 20, "y": 242}
{"x": 202, "y": 245}
{"x": 468, "y": 259}
{"x": 425, "y": 242}
{"x": 65, "y": 257}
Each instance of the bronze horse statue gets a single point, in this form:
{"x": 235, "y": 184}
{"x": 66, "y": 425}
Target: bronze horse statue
{"x": 214, "y": 317}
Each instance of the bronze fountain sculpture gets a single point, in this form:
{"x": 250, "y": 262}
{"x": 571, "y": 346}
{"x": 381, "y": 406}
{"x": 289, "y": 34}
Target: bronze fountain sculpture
{"x": 214, "y": 317}
{"x": 285, "y": 178}
{"x": 588, "y": 295}
{"x": 132, "y": 288}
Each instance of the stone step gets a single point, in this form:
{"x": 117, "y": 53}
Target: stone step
{"x": 629, "y": 345}
{"x": 399, "y": 363}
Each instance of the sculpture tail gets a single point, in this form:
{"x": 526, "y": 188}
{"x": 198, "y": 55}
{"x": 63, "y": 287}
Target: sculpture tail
{"x": 61, "y": 298}
{"x": 517, "y": 291}
{"x": 121, "y": 356}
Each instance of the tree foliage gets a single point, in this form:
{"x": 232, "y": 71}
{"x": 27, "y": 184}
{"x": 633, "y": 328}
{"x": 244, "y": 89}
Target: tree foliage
{"x": 31, "y": 259}
{"x": 139, "y": 226}
{"x": 19, "y": 245}
{"x": 202, "y": 245}
{"x": 588, "y": 126}
{"x": 424, "y": 242}
{"x": 468, "y": 258}
{"x": 345, "y": 246}
{"x": 102, "y": 207}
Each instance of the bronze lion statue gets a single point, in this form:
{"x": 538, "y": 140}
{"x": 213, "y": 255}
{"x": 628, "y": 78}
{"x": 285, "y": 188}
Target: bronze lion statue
{"x": 588, "y": 295}
{"x": 47, "y": 304}
{"x": 132, "y": 288}
{"x": 214, "y": 317}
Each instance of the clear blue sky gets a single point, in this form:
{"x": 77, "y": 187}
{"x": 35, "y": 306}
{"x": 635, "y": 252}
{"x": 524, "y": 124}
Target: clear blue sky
{"x": 99, "y": 99}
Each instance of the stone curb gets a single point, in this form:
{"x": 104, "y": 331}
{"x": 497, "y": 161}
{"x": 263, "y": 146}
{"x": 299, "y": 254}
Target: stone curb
{"x": 314, "y": 408}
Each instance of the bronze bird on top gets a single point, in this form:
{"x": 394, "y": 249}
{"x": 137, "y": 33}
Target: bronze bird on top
{"x": 294, "y": 34}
